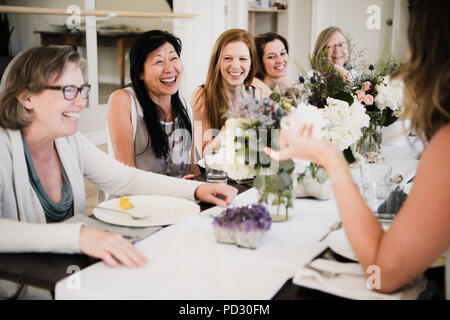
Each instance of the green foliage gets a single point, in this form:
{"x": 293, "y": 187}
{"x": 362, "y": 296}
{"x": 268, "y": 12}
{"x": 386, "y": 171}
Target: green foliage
{"x": 280, "y": 185}
{"x": 374, "y": 73}
{"x": 348, "y": 154}
{"x": 259, "y": 118}
{"x": 275, "y": 96}
{"x": 326, "y": 82}
{"x": 344, "y": 96}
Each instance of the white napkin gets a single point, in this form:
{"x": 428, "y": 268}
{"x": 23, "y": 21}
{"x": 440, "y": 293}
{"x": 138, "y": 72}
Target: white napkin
{"x": 347, "y": 280}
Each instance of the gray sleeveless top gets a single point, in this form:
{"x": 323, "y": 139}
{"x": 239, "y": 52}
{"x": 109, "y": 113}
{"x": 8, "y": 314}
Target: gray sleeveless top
{"x": 180, "y": 142}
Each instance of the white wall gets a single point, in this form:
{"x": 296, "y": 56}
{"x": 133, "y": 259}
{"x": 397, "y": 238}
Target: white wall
{"x": 401, "y": 21}
{"x": 351, "y": 16}
{"x": 198, "y": 38}
{"x": 108, "y": 56}
{"x": 296, "y": 27}
{"x": 199, "y": 35}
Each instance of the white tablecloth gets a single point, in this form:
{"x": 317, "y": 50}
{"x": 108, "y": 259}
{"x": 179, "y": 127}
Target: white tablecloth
{"x": 185, "y": 262}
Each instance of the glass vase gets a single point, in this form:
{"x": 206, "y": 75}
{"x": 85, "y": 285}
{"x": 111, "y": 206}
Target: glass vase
{"x": 370, "y": 140}
{"x": 276, "y": 191}
{"x": 314, "y": 182}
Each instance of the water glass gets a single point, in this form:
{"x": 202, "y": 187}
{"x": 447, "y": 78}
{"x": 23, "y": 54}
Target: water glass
{"x": 214, "y": 161}
{"x": 376, "y": 183}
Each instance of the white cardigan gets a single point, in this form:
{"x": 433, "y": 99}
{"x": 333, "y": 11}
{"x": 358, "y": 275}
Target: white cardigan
{"x": 23, "y": 226}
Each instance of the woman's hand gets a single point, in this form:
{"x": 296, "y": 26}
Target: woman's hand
{"x": 219, "y": 194}
{"x": 112, "y": 248}
{"x": 342, "y": 71}
{"x": 299, "y": 143}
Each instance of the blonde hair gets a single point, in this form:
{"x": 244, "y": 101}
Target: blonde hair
{"x": 322, "y": 41}
{"x": 427, "y": 73}
{"x": 213, "y": 94}
{"x": 30, "y": 70}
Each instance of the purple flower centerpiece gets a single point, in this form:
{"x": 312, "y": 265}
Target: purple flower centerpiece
{"x": 242, "y": 226}
{"x": 251, "y": 127}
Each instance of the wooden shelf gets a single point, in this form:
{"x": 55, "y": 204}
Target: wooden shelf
{"x": 268, "y": 10}
{"x": 98, "y": 13}
{"x": 274, "y": 20}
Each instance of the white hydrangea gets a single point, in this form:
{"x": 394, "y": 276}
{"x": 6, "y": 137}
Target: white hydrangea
{"x": 390, "y": 94}
{"x": 235, "y": 123}
{"x": 240, "y": 172}
{"x": 310, "y": 115}
{"x": 306, "y": 114}
{"x": 338, "y": 122}
{"x": 310, "y": 74}
{"x": 345, "y": 122}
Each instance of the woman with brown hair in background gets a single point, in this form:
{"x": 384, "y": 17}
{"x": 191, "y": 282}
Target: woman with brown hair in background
{"x": 273, "y": 60}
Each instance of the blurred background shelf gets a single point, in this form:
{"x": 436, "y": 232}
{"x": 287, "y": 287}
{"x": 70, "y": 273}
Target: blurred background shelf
{"x": 256, "y": 15}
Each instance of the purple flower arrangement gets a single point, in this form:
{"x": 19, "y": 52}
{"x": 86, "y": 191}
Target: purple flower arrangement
{"x": 242, "y": 226}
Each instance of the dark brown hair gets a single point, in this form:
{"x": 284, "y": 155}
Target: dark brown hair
{"x": 260, "y": 42}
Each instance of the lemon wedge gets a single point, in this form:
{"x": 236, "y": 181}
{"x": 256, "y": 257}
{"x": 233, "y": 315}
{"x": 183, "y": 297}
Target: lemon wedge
{"x": 125, "y": 203}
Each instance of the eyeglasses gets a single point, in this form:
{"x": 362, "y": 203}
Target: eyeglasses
{"x": 71, "y": 92}
{"x": 338, "y": 45}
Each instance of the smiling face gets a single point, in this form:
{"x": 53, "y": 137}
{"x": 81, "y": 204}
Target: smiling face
{"x": 53, "y": 115}
{"x": 275, "y": 59}
{"x": 235, "y": 63}
{"x": 337, "y": 49}
{"x": 162, "y": 72}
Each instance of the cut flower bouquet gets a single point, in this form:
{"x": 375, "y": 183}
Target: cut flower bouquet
{"x": 382, "y": 97}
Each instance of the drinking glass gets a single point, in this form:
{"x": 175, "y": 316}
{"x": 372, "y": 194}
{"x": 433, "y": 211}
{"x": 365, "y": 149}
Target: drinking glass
{"x": 376, "y": 183}
{"x": 214, "y": 161}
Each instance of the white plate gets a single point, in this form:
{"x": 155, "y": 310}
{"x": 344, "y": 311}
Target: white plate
{"x": 201, "y": 163}
{"x": 337, "y": 241}
{"x": 157, "y": 210}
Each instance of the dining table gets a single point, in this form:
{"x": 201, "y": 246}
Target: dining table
{"x": 186, "y": 263}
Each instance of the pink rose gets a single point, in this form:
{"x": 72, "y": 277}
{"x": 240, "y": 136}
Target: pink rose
{"x": 366, "y": 86}
{"x": 360, "y": 95}
{"x": 368, "y": 100}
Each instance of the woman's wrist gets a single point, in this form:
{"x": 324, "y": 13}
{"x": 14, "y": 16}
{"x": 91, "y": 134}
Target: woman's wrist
{"x": 336, "y": 165}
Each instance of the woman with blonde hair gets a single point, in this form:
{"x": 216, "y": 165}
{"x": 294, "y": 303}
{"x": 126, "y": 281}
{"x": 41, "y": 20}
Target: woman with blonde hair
{"x": 232, "y": 67}
{"x": 333, "y": 45}
{"x": 420, "y": 233}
